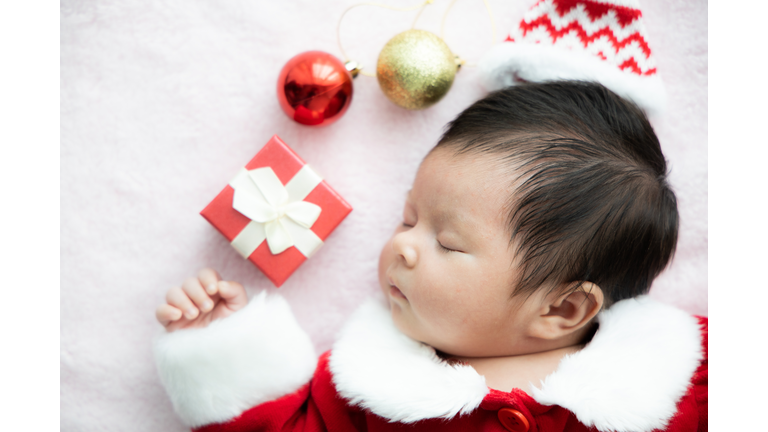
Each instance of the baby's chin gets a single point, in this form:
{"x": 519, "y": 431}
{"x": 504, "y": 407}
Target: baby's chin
{"x": 444, "y": 349}
{"x": 404, "y": 325}
{"x": 403, "y": 322}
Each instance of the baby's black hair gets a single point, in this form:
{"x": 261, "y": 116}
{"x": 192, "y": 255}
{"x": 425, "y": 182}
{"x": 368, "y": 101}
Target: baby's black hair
{"x": 591, "y": 200}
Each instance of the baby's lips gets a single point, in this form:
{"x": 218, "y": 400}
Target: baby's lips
{"x": 394, "y": 289}
{"x": 395, "y": 292}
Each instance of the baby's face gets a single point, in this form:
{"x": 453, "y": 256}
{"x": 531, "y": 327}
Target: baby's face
{"x": 448, "y": 269}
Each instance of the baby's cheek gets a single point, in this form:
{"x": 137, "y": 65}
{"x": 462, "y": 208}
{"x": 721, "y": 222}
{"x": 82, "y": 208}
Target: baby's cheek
{"x": 452, "y": 305}
{"x": 386, "y": 258}
{"x": 437, "y": 305}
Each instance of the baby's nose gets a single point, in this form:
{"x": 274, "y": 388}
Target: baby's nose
{"x": 404, "y": 246}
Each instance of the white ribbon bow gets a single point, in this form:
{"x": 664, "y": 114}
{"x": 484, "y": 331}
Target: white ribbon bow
{"x": 278, "y": 213}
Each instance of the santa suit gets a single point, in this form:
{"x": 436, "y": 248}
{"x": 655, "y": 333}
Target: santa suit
{"x": 645, "y": 369}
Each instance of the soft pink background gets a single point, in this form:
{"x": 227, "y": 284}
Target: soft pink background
{"x": 163, "y": 101}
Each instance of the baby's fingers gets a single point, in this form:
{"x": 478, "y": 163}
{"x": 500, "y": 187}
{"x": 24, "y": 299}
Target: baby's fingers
{"x": 196, "y": 293}
{"x": 233, "y": 294}
{"x": 167, "y": 314}
{"x": 179, "y": 299}
{"x": 208, "y": 279}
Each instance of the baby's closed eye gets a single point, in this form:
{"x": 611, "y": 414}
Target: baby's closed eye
{"x": 447, "y": 247}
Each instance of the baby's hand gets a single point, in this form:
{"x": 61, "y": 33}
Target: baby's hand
{"x": 200, "y": 300}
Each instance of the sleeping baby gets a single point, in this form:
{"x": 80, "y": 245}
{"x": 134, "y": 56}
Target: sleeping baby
{"x": 513, "y": 295}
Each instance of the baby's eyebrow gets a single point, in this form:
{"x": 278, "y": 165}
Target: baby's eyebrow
{"x": 448, "y": 217}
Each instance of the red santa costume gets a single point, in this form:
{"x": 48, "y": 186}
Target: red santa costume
{"x": 645, "y": 369}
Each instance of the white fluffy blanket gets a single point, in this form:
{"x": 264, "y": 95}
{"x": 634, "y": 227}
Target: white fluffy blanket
{"x": 163, "y": 101}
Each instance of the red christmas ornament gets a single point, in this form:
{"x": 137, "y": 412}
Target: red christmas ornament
{"x": 314, "y": 88}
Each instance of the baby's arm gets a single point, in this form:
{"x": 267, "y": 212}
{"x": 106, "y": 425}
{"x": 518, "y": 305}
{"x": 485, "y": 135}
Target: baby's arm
{"x": 200, "y": 300}
{"x": 223, "y": 356}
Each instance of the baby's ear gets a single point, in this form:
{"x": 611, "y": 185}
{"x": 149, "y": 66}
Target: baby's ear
{"x": 565, "y": 313}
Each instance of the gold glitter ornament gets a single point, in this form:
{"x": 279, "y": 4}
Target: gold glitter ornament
{"x": 416, "y": 69}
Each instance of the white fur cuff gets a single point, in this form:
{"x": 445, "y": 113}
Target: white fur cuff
{"x": 215, "y": 373}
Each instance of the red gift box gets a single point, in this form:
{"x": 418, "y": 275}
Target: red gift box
{"x": 290, "y": 211}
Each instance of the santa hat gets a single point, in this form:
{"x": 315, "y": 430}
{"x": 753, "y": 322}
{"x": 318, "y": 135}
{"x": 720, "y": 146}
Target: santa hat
{"x": 589, "y": 40}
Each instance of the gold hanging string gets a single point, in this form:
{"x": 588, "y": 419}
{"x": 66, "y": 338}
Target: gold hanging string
{"x": 442, "y": 22}
{"x": 338, "y": 25}
{"x": 493, "y": 22}
{"x": 418, "y": 14}
{"x": 421, "y": 6}
{"x": 461, "y": 61}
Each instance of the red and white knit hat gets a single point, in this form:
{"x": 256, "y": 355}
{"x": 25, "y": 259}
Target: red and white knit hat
{"x": 590, "y": 40}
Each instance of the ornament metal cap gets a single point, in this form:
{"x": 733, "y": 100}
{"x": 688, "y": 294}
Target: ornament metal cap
{"x": 416, "y": 69}
{"x": 353, "y": 68}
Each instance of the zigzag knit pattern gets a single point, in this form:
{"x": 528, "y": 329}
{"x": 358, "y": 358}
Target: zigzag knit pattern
{"x": 611, "y": 31}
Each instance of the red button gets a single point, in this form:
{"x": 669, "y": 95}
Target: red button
{"x": 513, "y": 420}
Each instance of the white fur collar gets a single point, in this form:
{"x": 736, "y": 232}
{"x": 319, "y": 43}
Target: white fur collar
{"x": 628, "y": 378}
{"x": 381, "y": 369}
